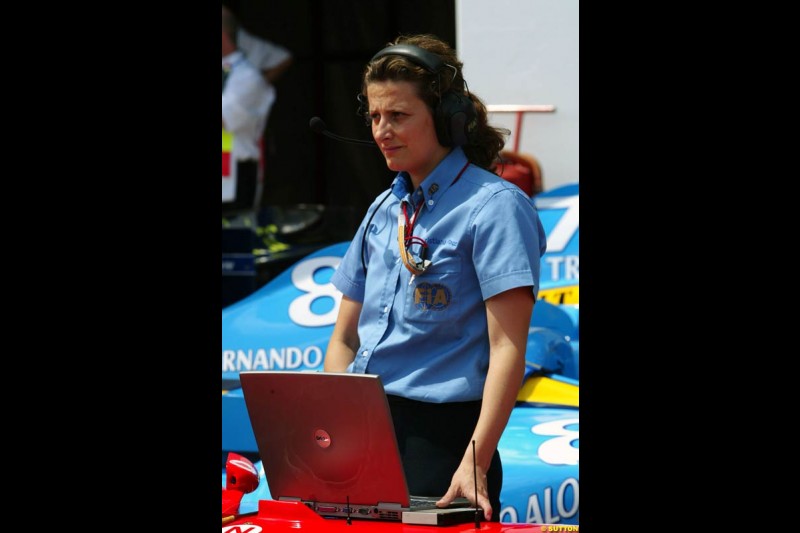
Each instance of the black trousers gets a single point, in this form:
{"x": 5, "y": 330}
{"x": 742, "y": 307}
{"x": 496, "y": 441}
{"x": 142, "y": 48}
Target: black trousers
{"x": 432, "y": 439}
{"x": 246, "y": 181}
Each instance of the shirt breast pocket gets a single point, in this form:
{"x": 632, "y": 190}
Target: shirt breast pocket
{"x": 432, "y": 297}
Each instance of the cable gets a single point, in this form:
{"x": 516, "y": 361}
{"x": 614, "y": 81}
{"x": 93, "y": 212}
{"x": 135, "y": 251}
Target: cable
{"x": 366, "y": 228}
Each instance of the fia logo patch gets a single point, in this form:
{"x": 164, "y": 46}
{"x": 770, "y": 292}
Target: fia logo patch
{"x": 432, "y": 296}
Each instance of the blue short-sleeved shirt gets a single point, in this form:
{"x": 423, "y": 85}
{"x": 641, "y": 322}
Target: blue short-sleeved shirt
{"x": 427, "y": 337}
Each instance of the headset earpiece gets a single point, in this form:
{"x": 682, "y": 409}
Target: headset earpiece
{"x": 454, "y": 116}
{"x": 455, "y": 120}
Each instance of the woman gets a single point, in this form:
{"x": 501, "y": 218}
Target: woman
{"x": 439, "y": 306}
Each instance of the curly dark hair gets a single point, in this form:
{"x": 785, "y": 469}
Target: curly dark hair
{"x": 486, "y": 141}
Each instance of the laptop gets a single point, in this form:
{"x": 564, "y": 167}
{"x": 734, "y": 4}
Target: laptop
{"x": 327, "y": 439}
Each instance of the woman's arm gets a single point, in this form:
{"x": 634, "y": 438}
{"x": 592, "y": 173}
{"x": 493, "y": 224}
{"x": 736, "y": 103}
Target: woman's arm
{"x": 344, "y": 340}
{"x": 508, "y": 316}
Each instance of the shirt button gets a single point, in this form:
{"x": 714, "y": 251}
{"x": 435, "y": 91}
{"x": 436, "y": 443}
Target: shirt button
{"x": 386, "y": 309}
{"x": 365, "y": 353}
{"x": 430, "y": 202}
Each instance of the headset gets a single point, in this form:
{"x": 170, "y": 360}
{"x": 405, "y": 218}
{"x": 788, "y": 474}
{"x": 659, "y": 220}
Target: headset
{"x": 454, "y": 118}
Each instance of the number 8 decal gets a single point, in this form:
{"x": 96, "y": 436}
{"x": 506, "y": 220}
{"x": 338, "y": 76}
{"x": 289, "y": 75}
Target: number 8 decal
{"x": 303, "y": 278}
{"x": 558, "y": 450}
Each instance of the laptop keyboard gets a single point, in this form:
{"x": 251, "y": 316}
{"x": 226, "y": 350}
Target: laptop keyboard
{"x": 423, "y": 502}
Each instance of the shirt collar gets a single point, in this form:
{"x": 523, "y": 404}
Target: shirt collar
{"x": 434, "y": 186}
{"x": 231, "y": 59}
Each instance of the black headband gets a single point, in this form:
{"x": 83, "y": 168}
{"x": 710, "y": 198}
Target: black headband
{"x": 420, "y": 56}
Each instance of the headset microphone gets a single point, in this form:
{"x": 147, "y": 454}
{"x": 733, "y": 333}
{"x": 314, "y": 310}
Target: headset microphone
{"x": 318, "y": 126}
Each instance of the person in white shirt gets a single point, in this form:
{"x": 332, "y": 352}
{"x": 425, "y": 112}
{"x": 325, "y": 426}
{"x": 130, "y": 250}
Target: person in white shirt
{"x": 246, "y": 102}
{"x": 270, "y": 58}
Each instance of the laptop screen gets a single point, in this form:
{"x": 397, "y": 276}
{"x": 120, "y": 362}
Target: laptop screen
{"x": 325, "y": 437}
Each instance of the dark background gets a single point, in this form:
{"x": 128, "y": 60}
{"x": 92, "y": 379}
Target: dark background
{"x": 331, "y": 42}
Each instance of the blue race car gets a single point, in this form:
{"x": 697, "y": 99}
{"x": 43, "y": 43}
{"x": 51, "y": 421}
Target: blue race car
{"x": 286, "y": 324}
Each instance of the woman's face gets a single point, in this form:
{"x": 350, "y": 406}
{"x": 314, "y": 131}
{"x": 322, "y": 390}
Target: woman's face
{"x": 402, "y": 125}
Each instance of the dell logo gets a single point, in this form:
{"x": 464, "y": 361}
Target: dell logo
{"x": 322, "y": 438}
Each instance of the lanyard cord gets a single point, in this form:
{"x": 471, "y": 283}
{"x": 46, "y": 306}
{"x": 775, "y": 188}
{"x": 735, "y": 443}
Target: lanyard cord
{"x": 406, "y": 237}
{"x": 409, "y": 225}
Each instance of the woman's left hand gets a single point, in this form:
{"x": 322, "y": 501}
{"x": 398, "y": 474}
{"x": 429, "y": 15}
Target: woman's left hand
{"x": 463, "y": 484}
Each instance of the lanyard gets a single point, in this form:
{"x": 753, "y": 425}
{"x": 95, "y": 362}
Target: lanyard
{"x": 406, "y": 237}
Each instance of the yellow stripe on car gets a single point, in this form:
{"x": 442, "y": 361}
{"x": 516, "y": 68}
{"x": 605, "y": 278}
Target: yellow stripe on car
{"x": 541, "y": 389}
{"x": 560, "y": 295}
